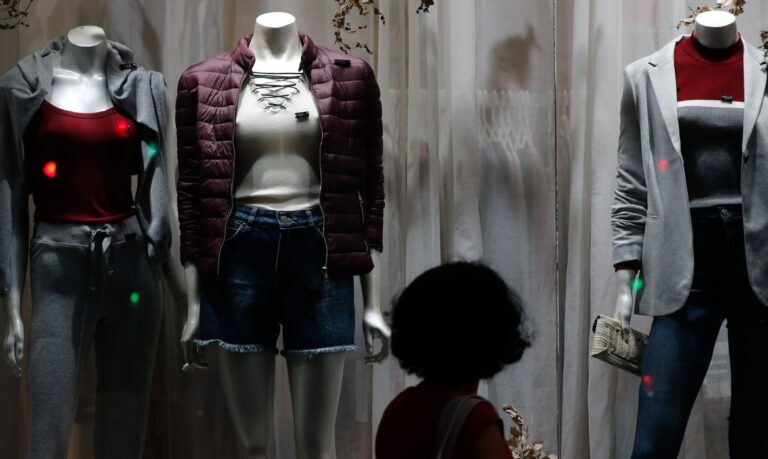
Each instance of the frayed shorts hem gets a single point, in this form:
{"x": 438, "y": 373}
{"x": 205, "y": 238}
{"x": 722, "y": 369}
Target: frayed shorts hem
{"x": 234, "y": 347}
{"x": 309, "y": 353}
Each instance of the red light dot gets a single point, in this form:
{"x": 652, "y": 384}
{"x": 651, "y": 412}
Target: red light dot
{"x": 663, "y": 165}
{"x": 123, "y": 128}
{"x": 50, "y": 169}
{"x": 647, "y": 380}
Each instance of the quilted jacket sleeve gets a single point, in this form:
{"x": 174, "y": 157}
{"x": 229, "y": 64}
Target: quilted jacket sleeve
{"x": 188, "y": 186}
{"x": 629, "y": 210}
{"x": 374, "y": 218}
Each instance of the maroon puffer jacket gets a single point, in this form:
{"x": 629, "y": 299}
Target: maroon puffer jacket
{"x": 352, "y": 192}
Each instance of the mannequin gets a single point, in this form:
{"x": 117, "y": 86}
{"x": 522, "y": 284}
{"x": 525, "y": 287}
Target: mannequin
{"x": 715, "y": 30}
{"x": 96, "y": 246}
{"x": 688, "y": 219}
{"x": 79, "y": 85}
{"x": 284, "y": 179}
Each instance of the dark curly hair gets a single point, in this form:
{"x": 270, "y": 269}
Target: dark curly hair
{"x": 457, "y": 323}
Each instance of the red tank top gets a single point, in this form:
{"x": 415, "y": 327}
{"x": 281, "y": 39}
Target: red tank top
{"x": 409, "y": 425}
{"x": 81, "y": 164}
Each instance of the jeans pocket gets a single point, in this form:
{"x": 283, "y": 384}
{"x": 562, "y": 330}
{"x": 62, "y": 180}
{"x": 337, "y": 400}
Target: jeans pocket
{"x": 234, "y": 228}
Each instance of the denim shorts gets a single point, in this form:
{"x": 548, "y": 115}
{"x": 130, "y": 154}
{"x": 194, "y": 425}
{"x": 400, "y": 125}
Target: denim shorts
{"x": 271, "y": 274}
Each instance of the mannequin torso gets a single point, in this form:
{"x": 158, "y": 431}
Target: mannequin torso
{"x": 79, "y": 80}
{"x": 277, "y": 128}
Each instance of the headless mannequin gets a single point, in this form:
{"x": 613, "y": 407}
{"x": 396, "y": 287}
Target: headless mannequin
{"x": 248, "y": 378}
{"x": 715, "y": 30}
{"x": 79, "y": 85}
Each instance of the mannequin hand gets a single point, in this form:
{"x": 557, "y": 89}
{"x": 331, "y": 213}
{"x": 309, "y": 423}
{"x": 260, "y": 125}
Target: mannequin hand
{"x": 193, "y": 358}
{"x": 374, "y": 326}
{"x": 624, "y": 298}
{"x": 14, "y": 344}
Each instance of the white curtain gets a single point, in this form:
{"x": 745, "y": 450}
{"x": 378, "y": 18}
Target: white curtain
{"x": 501, "y": 120}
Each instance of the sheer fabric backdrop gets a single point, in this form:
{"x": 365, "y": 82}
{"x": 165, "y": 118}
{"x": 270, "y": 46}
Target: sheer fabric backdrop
{"x": 501, "y": 120}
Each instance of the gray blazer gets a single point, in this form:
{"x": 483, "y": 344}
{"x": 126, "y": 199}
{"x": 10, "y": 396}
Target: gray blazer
{"x": 650, "y": 215}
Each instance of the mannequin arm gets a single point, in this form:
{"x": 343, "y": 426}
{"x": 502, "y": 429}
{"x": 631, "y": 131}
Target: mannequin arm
{"x": 624, "y": 297}
{"x": 13, "y": 344}
{"x": 192, "y": 358}
{"x": 374, "y": 325}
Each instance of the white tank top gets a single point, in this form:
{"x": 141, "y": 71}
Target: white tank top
{"x": 277, "y": 143}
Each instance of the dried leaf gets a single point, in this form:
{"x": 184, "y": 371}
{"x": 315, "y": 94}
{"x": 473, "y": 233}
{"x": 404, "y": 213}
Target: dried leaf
{"x": 517, "y": 442}
{"x": 425, "y": 5}
{"x": 691, "y": 19}
{"x": 735, "y": 7}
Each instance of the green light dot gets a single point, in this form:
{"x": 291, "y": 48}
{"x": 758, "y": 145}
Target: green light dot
{"x": 135, "y": 298}
{"x": 152, "y": 149}
{"x": 637, "y": 285}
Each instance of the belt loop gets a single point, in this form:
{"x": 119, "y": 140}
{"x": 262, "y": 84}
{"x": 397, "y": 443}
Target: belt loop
{"x": 310, "y": 220}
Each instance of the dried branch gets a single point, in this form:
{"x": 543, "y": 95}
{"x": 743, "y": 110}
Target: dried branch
{"x": 735, "y": 7}
{"x": 518, "y": 441}
{"x": 342, "y": 26}
{"x": 13, "y": 13}
{"x": 424, "y": 7}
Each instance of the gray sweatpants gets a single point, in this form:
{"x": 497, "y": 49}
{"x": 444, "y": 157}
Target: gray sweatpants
{"x": 92, "y": 285}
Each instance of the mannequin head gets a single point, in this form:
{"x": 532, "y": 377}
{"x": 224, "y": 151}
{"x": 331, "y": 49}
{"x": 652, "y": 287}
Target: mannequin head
{"x": 275, "y": 43}
{"x": 716, "y": 29}
{"x": 86, "y": 36}
{"x": 275, "y": 20}
{"x": 456, "y": 324}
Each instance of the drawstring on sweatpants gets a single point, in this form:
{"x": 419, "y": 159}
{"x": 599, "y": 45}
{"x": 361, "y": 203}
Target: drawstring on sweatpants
{"x": 101, "y": 255}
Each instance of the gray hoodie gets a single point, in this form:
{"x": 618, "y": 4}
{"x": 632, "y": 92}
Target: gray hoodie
{"x": 139, "y": 93}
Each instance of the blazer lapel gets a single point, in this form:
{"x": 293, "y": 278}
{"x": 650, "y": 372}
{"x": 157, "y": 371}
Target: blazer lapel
{"x": 664, "y": 82}
{"x": 754, "y": 89}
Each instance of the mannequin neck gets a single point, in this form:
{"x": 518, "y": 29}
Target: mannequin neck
{"x": 85, "y": 51}
{"x": 716, "y": 30}
{"x": 275, "y": 44}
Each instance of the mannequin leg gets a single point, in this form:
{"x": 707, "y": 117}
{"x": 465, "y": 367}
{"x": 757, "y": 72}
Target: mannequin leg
{"x": 125, "y": 345}
{"x": 248, "y": 380}
{"x": 60, "y": 338}
{"x": 315, "y": 391}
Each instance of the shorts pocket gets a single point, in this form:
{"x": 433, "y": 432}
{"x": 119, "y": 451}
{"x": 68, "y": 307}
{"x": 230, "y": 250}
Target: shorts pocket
{"x": 234, "y": 228}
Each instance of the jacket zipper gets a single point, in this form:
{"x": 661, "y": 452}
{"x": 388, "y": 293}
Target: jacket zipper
{"x": 232, "y": 178}
{"x": 320, "y": 164}
{"x": 362, "y": 216}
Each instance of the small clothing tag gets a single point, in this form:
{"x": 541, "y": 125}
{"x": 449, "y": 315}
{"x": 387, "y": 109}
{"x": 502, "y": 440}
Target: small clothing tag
{"x": 130, "y": 66}
{"x": 302, "y": 115}
{"x": 727, "y": 99}
{"x": 342, "y": 62}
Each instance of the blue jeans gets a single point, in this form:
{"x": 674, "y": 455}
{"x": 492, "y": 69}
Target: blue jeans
{"x": 681, "y": 344}
{"x": 271, "y": 274}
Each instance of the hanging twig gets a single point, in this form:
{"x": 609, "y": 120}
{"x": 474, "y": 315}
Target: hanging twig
{"x": 342, "y": 26}
{"x": 735, "y": 7}
{"x": 13, "y": 13}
